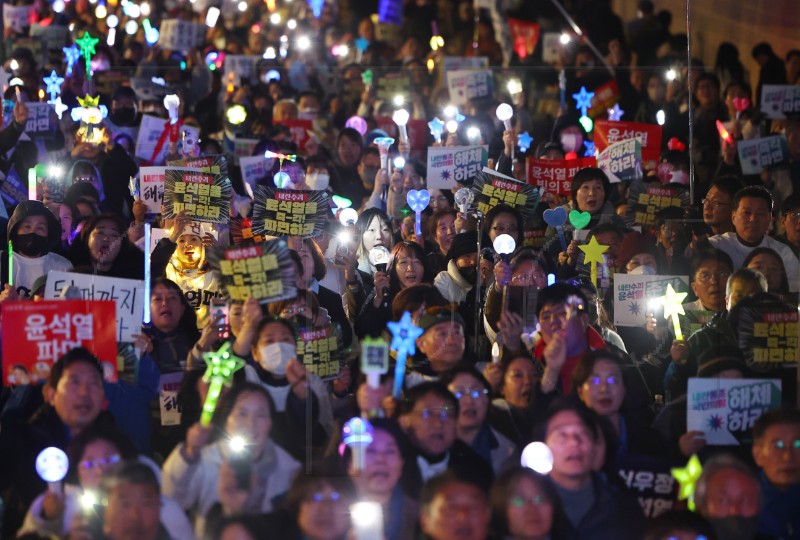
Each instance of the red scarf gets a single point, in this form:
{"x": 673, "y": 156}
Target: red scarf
{"x": 594, "y": 341}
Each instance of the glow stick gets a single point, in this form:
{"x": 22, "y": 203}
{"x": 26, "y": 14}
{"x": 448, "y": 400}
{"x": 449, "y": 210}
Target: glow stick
{"x": 495, "y": 353}
{"x": 673, "y": 307}
{"x": 400, "y": 118}
{"x": 222, "y": 364}
{"x": 32, "y": 184}
{"x": 52, "y": 465}
{"x": 404, "y": 336}
{"x": 367, "y": 519}
{"x": 10, "y": 264}
{"x": 383, "y": 149}
{"x": 437, "y": 127}
{"x": 418, "y": 201}
{"x": 146, "y": 319}
{"x": 357, "y": 435}
{"x": 593, "y": 253}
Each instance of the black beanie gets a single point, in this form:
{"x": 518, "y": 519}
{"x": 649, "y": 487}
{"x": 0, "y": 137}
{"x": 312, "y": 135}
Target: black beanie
{"x": 463, "y": 244}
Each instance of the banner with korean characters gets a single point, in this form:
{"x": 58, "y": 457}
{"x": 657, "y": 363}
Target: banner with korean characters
{"x": 254, "y": 168}
{"x": 605, "y": 97}
{"x": 264, "y": 271}
{"x": 36, "y": 334}
{"x": 200, "y": 196}
{"x": 646, "y": 199}
{"x": 466, "y": 85}
{"x": 179, "y": 35}
{"x": 41, "y": 120}
{"x": 607, "y": 132}
{"x": 768, "y": 335}
{"x": 449, "y": 166}
{"x": 320, "y": 350}
{"x": 150, "y": 131}
{"x": 778, "y": 100}
{"x": 726, "y": 409}
{"x": 755, "y": 155}
{"x": 213, "y": 164}
{"x": 300, "y": 132}
{"x": 622, "y": 161}
{"x": 127, "y": 293}
{"x": 452, "y": 63}
{"x": 151, "y": 188}
{"x": 635, "y": 296}
{"x": 284, "y": 212}
{"x": 389, "y": 85}
{"x": 650, "y": 481}
{"x": 491, "y": 188}
{"x": 555, "y": 175}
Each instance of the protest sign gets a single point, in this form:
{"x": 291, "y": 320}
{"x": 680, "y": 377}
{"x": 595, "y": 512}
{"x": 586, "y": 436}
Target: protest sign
{"x": 36, "y": 334}
{"x": 179, "y": 35}
{"x": 390, "y": 12}
{"x": 169, "y": 384}
{"x": 253, "y": 169}
{"x": 768, "y": 335}
{"x": 449, "y": 166}
{"x": 320, "y": 350}
{"x": 634, "y": 296}
{"x": 299, "y": 130}
{"x": 264, "y": 272}
{"x": 778, "y": 100}
{"x": 551, "y": 47}
{"x": 150, "y": 132}
{"x": 151, "y": 188}
{"x": 622, "y": 161}
{"x": 242, "y": 231}
{"x": 535, "y": 237}
{"x": 12, "y": 189}
{"x": 242, "y": 68}
{"x": 53, "y": 38}
{"x": 607, "y": 132}
{"x": 212, "y": 164}
{"x": 241, "y": 148}
{"x": 650, "y": 481}
{"x": 645, "y": 199}
{"x": 726, "y": 409}
{"x": 605, "y": 97}
{"x": 492, "y": 188}
{"x": 465, "y": 85}
{"x": 392, "y": 84}
{"x": 149, "y": 89}
{"x": 417, "y": 130}
{"x": 201, "y": 196}
{"x": 756, "y": 155}
{"x": 17, "y": 18}
{"x": 283, "y": 212}
{"x": 525, "y": 35}
{"x": 555, "y": 175}
{"x": 127, "y": 293}
{"x": 40, "y": 122}
{"x": 452, "y": 63}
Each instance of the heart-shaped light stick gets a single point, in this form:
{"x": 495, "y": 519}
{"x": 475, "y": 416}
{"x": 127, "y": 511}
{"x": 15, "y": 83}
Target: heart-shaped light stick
{"x": 418, "y": 201}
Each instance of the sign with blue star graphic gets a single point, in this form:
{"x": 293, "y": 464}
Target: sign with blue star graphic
{"x": 636, "y": 295}
{"x": 449, "y": 166}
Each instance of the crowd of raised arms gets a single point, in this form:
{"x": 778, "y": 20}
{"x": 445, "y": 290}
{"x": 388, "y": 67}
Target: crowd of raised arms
{"x": 394, "y": 269}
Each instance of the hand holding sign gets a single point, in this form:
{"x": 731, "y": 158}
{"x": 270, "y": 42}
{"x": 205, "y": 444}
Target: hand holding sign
{"x": 222, "y": 364}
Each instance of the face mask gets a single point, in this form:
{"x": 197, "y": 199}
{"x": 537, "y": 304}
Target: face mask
{"x": 569, "y": 141}
{"x": 31, "y": 244}
{"x": 275, "y": 356}
{"x": 735, "y": 527}
{"x": 470, "y": 273}
{"x": 124, "y": 116}
{"x": 318, "y": 181}
{"x": 643, "y": 271}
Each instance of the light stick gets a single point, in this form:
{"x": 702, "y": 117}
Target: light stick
{"x": 171, "y": 103}
{"x": 524, "y": 141}
{"x": 437, "y": 127}
{"x": 593, "y": 253}
{"x": 348, "y": 217}
{"x": 495, "y": 353}
{"x": 504, "y": 113}
{"x": 687, "y": 478}
{"x": 673, "y": 307}
{"x": 367, "y": 519}
{"x": 723, "y": 133}
{"x": 146, "y": 318}
{"x": 52, "y": 465}
{"x": 615, "y": 113}
{"x": 53, "y": 83}
{"x": 537, "y": 456}
{"x": 374, "y": 359}
{"x": 86, "y": 45}
{"x": 463, "y": 199}
{"x": 71, "y": 55}
{"x": 379, "y": 257}
{"x": 357, "y": 123}
{"x": 404, "y": 336}
{"x": 357, "y": 435}
{"x": 741, "y": 105}
{"x": 367, "y": 76}
{"x": 504, "y": 244}
{"x": 556, "y": 217}
{"x": 32, "y": 184}
{"x": 400, "y": 118}
{"x": 222, "y": 364}
{"x": 10, "y": 264}
{"x": 383, "y": 149}
{"x": 583, "y": 102}
{"x": 418, "y": 200}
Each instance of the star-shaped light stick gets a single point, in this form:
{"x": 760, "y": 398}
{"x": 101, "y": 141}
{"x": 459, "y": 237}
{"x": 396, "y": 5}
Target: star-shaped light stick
{"x": 60, "y": 107}
{"x": 222, "y": 364}
{"x": 437, "y": 127}
{"x": 71, "y": 55}
{"x": 53, "y": 83}
{"x": 524, "y": 141}
{"x": 593, "y": 253}
{"x": 86, "y": 45}
{"x": 404, "y": 336}
{"x": 673, "y": 307}
{"x": 583, "y": 100}
{"x": 687, "y": 479}
{"x": 615, "y": 113}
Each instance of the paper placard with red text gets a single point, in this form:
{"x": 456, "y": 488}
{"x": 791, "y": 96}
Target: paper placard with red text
{"x": 607, "y": 133}
{"x": 555, "y": 175}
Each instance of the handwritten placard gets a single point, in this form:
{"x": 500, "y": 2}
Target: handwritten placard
{"x": 726, "y": 409}
{"x": 126, "y": 293}
{"x": 450, "y": 165}
{"x": 283, "y": 212}
{"x": 465, "y": 85}
{"x": 264, "y": 272}
{"x": 17, "y": 18}
{"x": 634, "y": 296}
{"x": 201, "y": 196}
{"x": 555, "y": 175}
{"x": 179, "y": 35}
{"x": 778, "y": 100}
{"x": 150, "y": 132}
{"x": 755, "y": 155}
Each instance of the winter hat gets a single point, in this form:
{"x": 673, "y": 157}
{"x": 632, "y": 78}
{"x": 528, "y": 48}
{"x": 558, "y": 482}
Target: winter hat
{"x": 633, "y": 244}
{"x": 463, "y": 244}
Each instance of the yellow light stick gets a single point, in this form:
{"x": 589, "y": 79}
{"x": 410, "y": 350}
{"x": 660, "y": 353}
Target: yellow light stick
{"x": 593, "y": 253}
{"x": 673, "y": 307}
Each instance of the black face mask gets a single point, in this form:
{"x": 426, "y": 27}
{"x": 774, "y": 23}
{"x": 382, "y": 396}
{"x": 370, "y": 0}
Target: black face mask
{"x": 124, "y": 116}
{"x": 469, "y": 273}
{"x": 31, "y": 244}
{"x": 735, "y": 527}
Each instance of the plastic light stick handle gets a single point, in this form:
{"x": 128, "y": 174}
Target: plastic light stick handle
{"x": 210, "y": 404}
{"x": 55, "y": 487}
{"x": 418, "y": 224}
{"x": 403, "y": 134}
{"x": 373, "y": 380}
{"x": 676, "y": 326}
{"x": 399, "y": 373}
{"x": 32, "y": 184}
{"x": 593, "y": 273}
{"x": 147, "y": 279}
{"x": 10, "y": 264}
{"x": 560, "y": 231}
{"x": 438, "y": 137}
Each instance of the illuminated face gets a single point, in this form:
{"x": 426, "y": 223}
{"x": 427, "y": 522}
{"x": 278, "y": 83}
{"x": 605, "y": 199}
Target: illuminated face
{"x": 105, "y": 242}
{"x": 438, "y": 200}
{"x": 567, "y": 319}
{"x": 65, "y": 217}
{"x": 431, "y": 424}
{"x": 777, "y": 452}
{"x": 738, "y": 289}
{"x": 166, "y": 308}
{"x": 771, "y": 267}
{"x": 78, "y": 396}
{"x": 572, "y": 445}
{"x": 378, "y": 233}
{"x": 529, "y": 512}
{"x": 275, "y": 333}
{"x": 132, "y": 512}
{"x": 443, "y": 344}
{"x": 591, "y": 196}
{"x": 709, "y": 283}
{"x": 752, "y": 219}
{"x": 473, "y": 400}
{"x": 603, "y": 391}
{"x": 518, "y": 382}
{"x": 190, "y": 250}
{"x": 324, "y": 515}
{"x": 791, "y": 224}
{"x": 640, "y": 259}
{"x": 383, "y": 466}
{"x": 504, "y": 224}
{"x": 731, "y": 493}
{"x": 457, "y": 511}
{"x": 445, "y": 232}
{"x": 717, "y": 208}
{"x": 98, "y": 457}
{"x": 33, "y": 225}
{"x": 529, "y": 274}
{"x": 349, "y": 152}
{"x": 250, "y": 418}
{"x": 410, "y": 270}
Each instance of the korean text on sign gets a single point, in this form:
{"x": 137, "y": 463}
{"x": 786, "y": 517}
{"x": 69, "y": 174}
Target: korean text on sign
{"x": 246, "y": 271}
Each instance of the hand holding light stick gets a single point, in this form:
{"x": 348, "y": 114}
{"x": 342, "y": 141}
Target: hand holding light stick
{"x": 463, "y": 199}
{"x": 171, "y": 103}
{"x": 504, "y": 113}
{"x": 32, "y": 184}
{"x": 404, "y": 336}
{"x": 673, "y": 307}
{"x": 222, "y": 364}
{"x": 52, "y": 465}
{"x": 418, "y": 201}
{"x": 504, "y": 244}
{"x": 400, "y": 118}
{"x": 383, "y": 149}
{"x": 357, "y": 434}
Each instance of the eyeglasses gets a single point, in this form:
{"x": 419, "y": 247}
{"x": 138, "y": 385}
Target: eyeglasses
{"x": 596, "y": 380}
{"x": 288, "y": 312}
{"x": 444, "y": 414}
{"x": 474, "y": 393}
{"x": 100, "y": 462}
{"x": 519, "y": 501}
{"x": 706, "y": 277}
{"x": 502, "y": 229}
{"x": 782, "y": 445}
{"x": 714, "y": 204}
{"x": 320, "y": 497}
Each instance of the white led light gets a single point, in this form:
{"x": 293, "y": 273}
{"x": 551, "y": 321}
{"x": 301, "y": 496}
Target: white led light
{"x": 112, "y": 21}
{"x": 564, "y": 39}
{"x": 292, "y": 24}
{"x": 538, "y": 456}
{"x": 275, "y": 18}
{"x": 303, "y": 43}
{"x": 131, "y": 27}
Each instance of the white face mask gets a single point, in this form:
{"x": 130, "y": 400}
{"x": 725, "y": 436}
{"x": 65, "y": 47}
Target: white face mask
{"x": 318, "y": 181}
{"x": 275, "y": 356}
{"x": 569, "y": 141}
{"x": 643, "y": 270}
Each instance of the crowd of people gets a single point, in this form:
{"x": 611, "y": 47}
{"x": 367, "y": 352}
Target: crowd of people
{"x": 509, "y": 347}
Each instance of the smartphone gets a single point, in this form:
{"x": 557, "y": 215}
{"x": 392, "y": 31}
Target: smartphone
{"x": 218, "y": 311}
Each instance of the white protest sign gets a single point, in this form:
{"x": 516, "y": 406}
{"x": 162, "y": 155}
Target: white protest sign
{"x": 254, "y": 168}
{"x": 622, "y": 161}
{"x": 127, "y": 293}
{"x": 150, "y": 131}
{"x": 151, "y": 188}
{"x": 243, "y": 68}
{"x": 551, "y": 47}
{"x": 465, "y": 85}
{"x": 452, "y": 63}
{"x": 178, "y": 35}
{"x": 764, "y": 153}
{"x": 169, "y": 384}
{"x": 449, "y": 165}
{"x": 779, "y": 99}
{"x": 726, "y": 409}
{"x": 17, "y": 18}
{"x": 634, "y": 296}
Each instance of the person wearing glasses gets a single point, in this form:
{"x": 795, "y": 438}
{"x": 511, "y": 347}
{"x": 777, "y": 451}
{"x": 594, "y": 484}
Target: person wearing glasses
{"x": 790, "y": 222}
{"x": 429, "y": 415}
{"x": 776, "y": 451}
{"x": 502, "y": 219}
{"x": 524, "y": 505}
{"x": 473, "y": 394}
{"x": 718, "y": 204}
{"x": 102, "y": 248}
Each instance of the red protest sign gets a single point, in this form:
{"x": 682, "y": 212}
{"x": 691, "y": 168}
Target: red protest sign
{"x": 36, "y": 334}
{"x": 607, "y": 132}
{"x": 605, "y": 97}
{"x": 525, "y": 35}
{"x": 555, "y": 175}
{"x": 417, "y": 131}
{"x": 299, "y": 129}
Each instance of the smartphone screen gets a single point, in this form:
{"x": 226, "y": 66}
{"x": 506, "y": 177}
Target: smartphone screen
{"x": 218, "y": 311}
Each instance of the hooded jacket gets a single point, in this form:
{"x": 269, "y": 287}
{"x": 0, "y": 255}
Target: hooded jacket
{"x": 452, "y": 284}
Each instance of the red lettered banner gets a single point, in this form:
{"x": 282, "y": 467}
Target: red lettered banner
{"x": 36, "y": 334}
{"x": 525, "y": 35}
{"x": 555, "y": 175}
{"x": 607, "y": 133}
{"x": 299, "y": 129}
